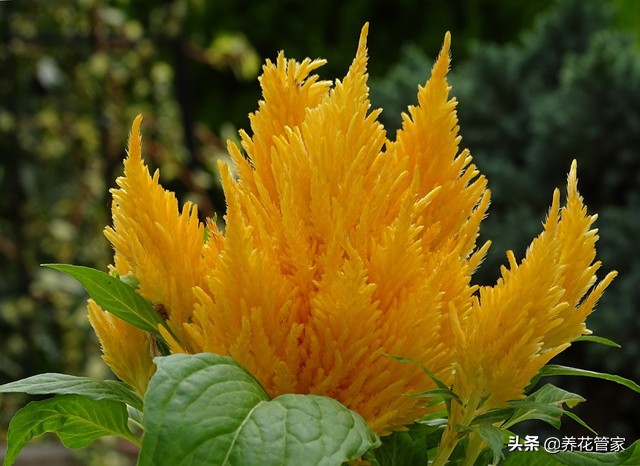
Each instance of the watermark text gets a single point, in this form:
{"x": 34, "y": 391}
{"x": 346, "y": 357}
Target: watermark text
{"x": 558, "y": 444}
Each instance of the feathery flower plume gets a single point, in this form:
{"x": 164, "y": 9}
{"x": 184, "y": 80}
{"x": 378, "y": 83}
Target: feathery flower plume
{"x": 342, "y": 247}
{"x": 154, "y": 242}
{"x": 533, "y": 313}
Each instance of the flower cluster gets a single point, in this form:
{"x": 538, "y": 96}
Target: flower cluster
{"x": 342, "y": 247}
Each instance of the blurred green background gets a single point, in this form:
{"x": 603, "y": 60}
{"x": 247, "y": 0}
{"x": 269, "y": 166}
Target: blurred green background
{"x": 539, "y": 82}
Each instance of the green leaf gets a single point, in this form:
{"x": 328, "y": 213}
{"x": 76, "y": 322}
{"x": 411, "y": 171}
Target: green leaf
{"x": 439, "y": 395}
{"x": 551, "y": 395}
{"x": 434, "y": 418}
{"x": 206, "y": 409}
{"x": 533, "y": 383}
{"x": 577, "y": 418}
{"x": 553, "y": 369}
{"x": 597, "y": 339}
{"x": 76, "y": 419}
{"x": 431, "y": 375}
{"x": 129, "y": 279}
{"x": 405, "y": 448}
{"x": 493, "y": 436}
{"x": 114, "y": 296}
{"x": 493, "y": 416}
{"x": 450, "y": 394}
{"x": 545, "y": 405}
{"x": 528, "y": 410}
{"x": 63, "y": 384}
{"x": 628, "y": 457}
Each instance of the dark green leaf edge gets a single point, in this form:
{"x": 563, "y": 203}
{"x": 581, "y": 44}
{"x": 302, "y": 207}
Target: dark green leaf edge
{"x": 451, "y": 395}
{"x": 546, "y": 404}
{"x": 63, "y": 384}
{"x": 115, "y": 296}
{"x": 554, "y": 369}
{"x": 597, "y": 339}
{"x": 530, "y": 410}
{"x": 77, "y": 420}
{"x": 579, "y": 420}
{"x": 492, "y": 417}
{"x": 439, "y": 395}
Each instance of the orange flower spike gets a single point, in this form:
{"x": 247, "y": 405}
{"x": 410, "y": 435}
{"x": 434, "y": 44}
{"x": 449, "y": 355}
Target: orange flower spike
{"x": 428, "y": 145}
{"x": 577, "y": 254}
{"x": 289, "y": 90}
{"x": 323, "y": 273}
{"x": 429, "y": 140}
{"x": 535, "y": 310}
{"x": 154, "y": 241}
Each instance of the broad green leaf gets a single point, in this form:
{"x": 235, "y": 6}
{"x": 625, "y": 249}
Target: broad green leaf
{"x": 114, "y": 296}
{"x": 63, "y": 384}
{"x": 545, "y": 405}
{"x": 76, "y": 419}
{"x": 597, "y": 339}
{"x": 552, "y": 369}
{"x": 206, "y": 410}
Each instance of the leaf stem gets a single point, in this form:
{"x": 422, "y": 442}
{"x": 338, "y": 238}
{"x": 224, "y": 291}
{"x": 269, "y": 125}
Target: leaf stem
{"x": 451, "y": 436}
{"x": 474, "y": 448}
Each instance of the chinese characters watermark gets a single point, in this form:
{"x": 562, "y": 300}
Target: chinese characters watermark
{"x": 556, "y": 445}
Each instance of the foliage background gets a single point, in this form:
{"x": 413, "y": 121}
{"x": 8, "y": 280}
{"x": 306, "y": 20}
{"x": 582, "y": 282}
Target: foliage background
{"x": 540, "y": 82}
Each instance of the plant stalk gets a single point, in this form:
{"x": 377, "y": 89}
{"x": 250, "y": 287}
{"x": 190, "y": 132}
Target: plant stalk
{"x": 451, "y": 436}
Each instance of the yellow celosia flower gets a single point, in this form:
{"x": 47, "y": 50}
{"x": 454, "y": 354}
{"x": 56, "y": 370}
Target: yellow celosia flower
{"x": 153, "y": 241}
{"x": 534, "y": 311}
{"x": 342, "y": 247}
{"x": 162, "y": 249}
